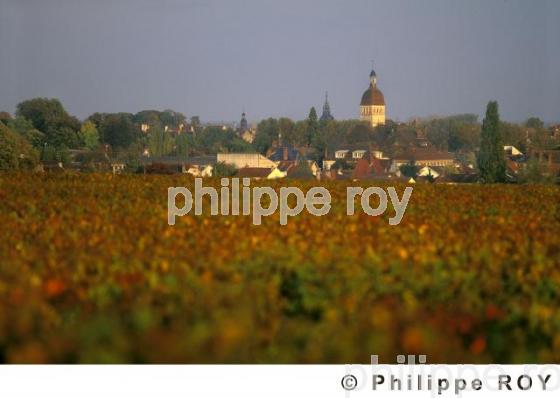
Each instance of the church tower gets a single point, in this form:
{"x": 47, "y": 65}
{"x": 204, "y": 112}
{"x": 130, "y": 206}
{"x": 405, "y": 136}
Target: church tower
{"x": 243, "y": 126}
{"x": 372, "y": 106}
{"x": 326, "y": 116}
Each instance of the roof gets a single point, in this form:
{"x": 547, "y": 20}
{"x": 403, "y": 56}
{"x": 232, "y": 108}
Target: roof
{"x": 372, "y": 96}
{"x": 420, "y": 154}
{"x": 286, "y": 152}
{"x": 367, "y": 147}
{"x": 254, "y": 172}
{"x": 366, "y": 168}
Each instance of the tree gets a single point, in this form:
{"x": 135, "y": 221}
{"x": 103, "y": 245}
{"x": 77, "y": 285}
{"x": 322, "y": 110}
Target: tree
{"x": 97, "y": 119}
{"x": 437, "y": 133}
{"x": 267, "y": 133}
{"x": 359, "y": 132}
{"x": 222, "y": 169}
{"x": 514, "y": 134}
{"x": 286, "y": 127}
{"x": 491, "y": 159}
{"x": 535, "y": 123}
{"x": 535, "y": 172}
{"x": 195, "y": 123}
{"x": 55, "y": 154}
{"x": 49, "y": 117}
{"x": 8, "y": 151}
{"x": 149, "y": 117}
{"x": 25, "y": 128}
{"x": 409, "y": 170}
{"x": 15, "y": 152}
{"x": 312, "y": 126}
{"x": 118, "y": 130}
{"x": 159, "y": 142}
{"x": 330, "y": 135}
{"x": 182, "y": 144}
{"x": 463, "y": 136}
{"x": 454, "y": 133}
{"x": 172, "y": 118}
{"x": 90, "y": 135}
{"x": 302, "y": 171}
{"x": 300, "y": 132}
{"x": 5, "y": 117}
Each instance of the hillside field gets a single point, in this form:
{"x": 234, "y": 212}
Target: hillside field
{"x": 90, "y": 272}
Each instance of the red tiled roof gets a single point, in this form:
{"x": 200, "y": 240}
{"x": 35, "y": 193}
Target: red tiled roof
{"x": 366, "y": 168}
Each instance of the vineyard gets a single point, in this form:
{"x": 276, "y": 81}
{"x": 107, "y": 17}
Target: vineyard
{"x": 90, "y": 272}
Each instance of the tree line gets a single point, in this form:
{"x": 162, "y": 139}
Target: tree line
{"x": 42, "y": 129}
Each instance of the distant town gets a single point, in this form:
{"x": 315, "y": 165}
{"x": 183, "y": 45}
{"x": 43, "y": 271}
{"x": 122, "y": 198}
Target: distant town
{"x": 43, "y": 137}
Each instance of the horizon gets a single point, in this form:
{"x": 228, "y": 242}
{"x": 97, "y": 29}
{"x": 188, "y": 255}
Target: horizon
{"x": 215, "y": 59}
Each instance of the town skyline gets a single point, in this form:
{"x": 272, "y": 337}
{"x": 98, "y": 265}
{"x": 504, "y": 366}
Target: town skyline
{"x": 215, "y": 59}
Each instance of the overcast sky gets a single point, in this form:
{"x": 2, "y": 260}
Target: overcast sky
{"x": 277, "y": 58}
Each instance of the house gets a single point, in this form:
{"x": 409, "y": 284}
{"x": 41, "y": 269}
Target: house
{"x": 351, "y": 154}
{"x": 242, "y": 160}
{"x": 206, "y": 171}
{"x": 428, "y": 171}
{"x": 368, "y": 168}
{"x": 422, "y": 157}
{"x": 276, "y": 173}
{"x": 283, "y": 153}
{"x": 512, "y": 151}
{"x": 117, "y": 167}
{"x": 313, "y": 166}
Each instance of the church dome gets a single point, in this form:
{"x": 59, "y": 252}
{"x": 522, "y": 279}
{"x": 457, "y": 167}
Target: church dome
{"x": 372, "y": 97}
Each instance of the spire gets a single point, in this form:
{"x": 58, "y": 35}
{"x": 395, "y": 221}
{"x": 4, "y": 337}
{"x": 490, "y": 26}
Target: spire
{"x": 326, "y": 109}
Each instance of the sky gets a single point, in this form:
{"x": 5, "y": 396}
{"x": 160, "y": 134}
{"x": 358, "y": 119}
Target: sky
{"x": 215, "y": 58}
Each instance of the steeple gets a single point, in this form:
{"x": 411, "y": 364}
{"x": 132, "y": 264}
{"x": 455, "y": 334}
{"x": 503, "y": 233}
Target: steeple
{"x": 243, "y": 126}
{"x": 326, "y": 109}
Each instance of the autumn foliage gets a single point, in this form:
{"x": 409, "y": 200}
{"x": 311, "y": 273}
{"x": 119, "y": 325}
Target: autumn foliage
{"x": 90, "y": 272}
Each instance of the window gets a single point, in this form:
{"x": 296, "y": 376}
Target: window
{"x": 340, "y": 154}
{"x": 358, "y": 154}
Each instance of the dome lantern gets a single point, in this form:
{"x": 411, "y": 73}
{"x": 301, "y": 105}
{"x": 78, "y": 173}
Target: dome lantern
{"x": 373, "y": 77}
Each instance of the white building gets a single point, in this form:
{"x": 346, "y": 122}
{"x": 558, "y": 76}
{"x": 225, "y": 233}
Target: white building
{"x": 240, "y": 160}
